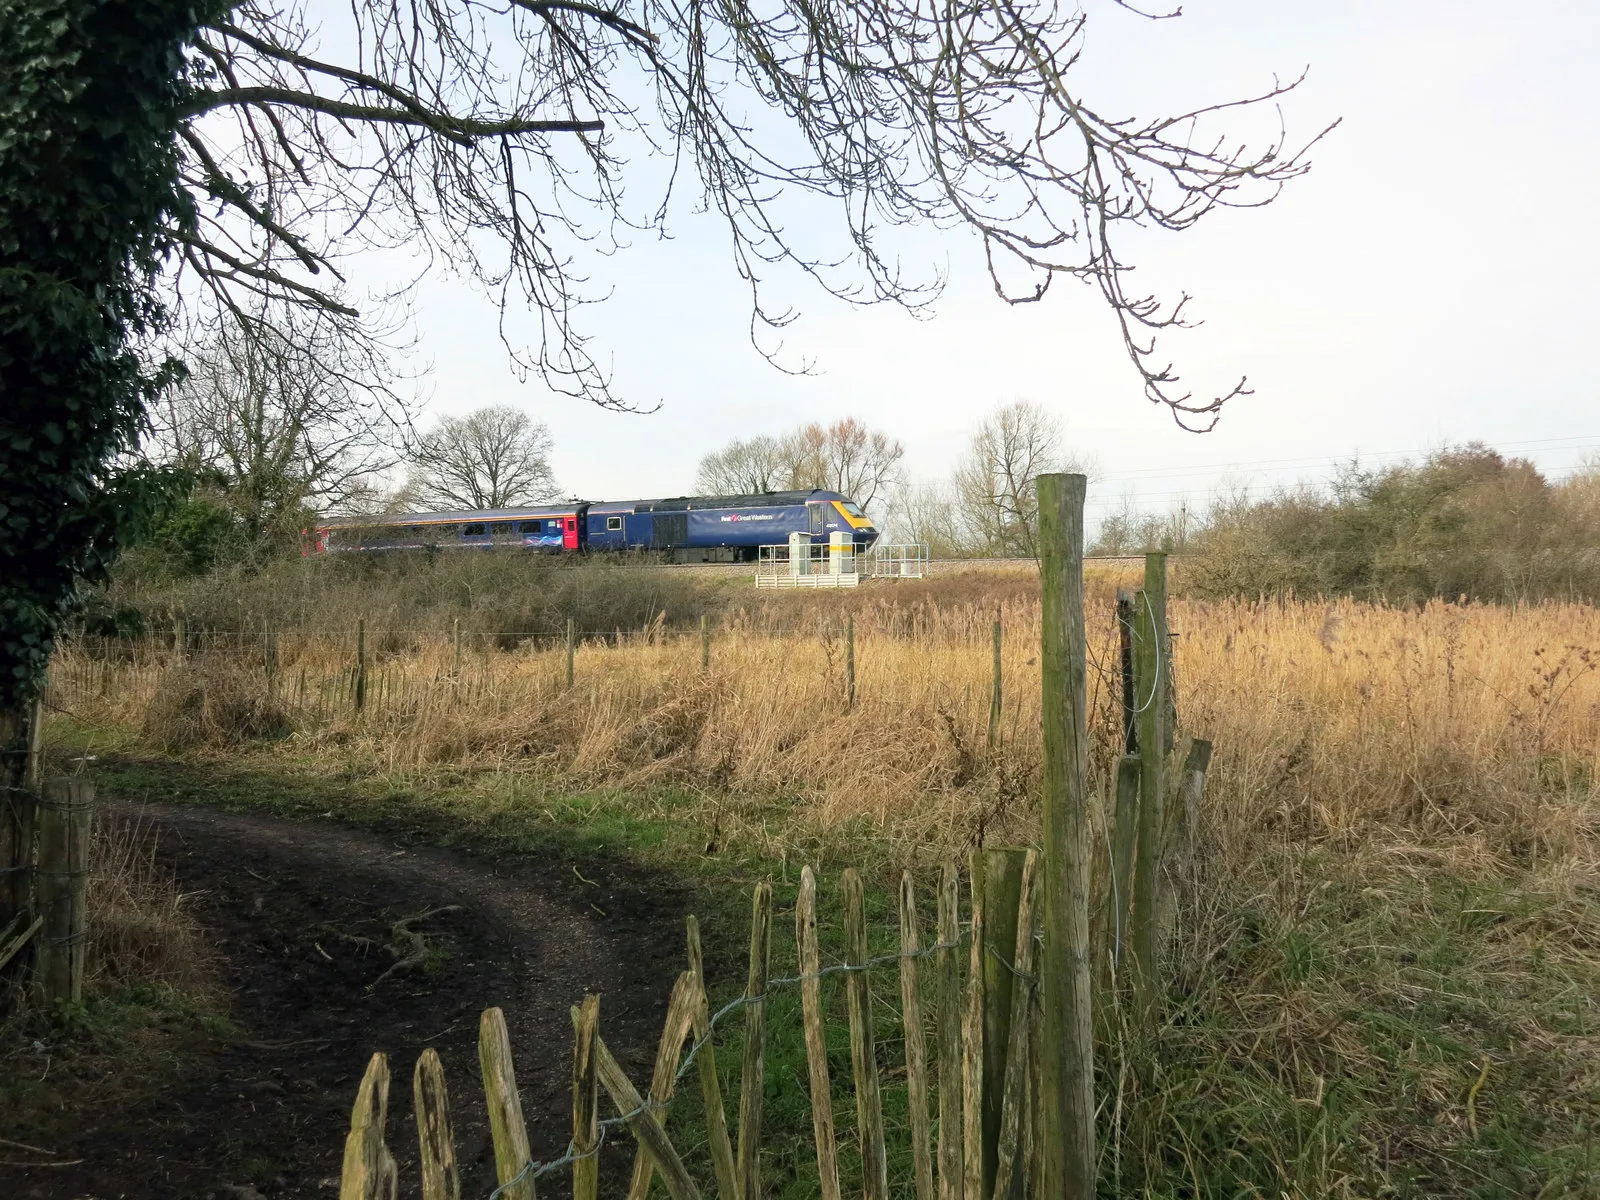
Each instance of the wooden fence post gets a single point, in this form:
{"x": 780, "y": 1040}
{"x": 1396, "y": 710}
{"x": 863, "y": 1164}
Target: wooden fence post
{"x": 511, "y": 1152}
{"x": 180, "y": 638}
{"x": 441, "y": 1177}
{"x": 572, "y": 644}
{"x": 863, "y": 1048}
{"x": 810, "y": 962}
{"x": 755, "y": 1040}
{"x": 916, "y": 1047}
{"x": 994, "y": 691}
{"x": 710, "y": 1082}
{"x": 1150, "y": 675}
{"x": 1070, "y": 1164}
{"x": 1010, "y": 1157}
{"x": 850, "y": 660}
{"x": 1125, "y": 837}
{"x": 32, "y": 771}
{"x": 368, "y": 1172}
{"x": 705, "y": 642}
{"x": 361, "y": 664}
{"x": 663, "y": 1080}
{"x": 972, "y": 1045}
{"x": 65, "y": 817}
{"x": 1180, "y": 842}
{"x": 641, "y": 1121}
{"x": 455, "y": 633}
{"x": 1002, "y": 895}
{"x": 950, "y": 1006}
{"x": 1130, "y": 725}
{"x": 586, "y": 1102}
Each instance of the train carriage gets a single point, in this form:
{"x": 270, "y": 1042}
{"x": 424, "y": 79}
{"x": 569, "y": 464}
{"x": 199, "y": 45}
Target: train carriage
{"x": 684, "y": 528}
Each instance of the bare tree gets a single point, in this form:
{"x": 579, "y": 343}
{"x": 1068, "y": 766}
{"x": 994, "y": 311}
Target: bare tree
{"x": 995, "y": 480}
{"x": 493, "y": 458}
{"x": 282, "y": 415}
{"x": 745, "y": 467}
{"x": 494, "y": 138}
{"x": 929, "y": 513}
{"x": 1131, "y": 530}
{"x": 845, "y": 457}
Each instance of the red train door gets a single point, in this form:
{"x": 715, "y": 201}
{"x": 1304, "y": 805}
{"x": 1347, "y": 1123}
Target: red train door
{"x": 569, "y": 539}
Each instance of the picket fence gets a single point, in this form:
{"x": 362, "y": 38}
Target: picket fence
{"x": 971, "y": 1118}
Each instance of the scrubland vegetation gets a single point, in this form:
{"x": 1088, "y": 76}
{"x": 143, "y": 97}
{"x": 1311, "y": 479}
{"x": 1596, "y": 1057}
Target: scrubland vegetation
{"x": 1464, "y": 522}
{"x": 1384, "y": 982}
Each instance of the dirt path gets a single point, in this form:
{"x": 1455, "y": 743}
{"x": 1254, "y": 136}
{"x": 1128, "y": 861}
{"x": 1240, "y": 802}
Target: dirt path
{"x": 302, "y": 915}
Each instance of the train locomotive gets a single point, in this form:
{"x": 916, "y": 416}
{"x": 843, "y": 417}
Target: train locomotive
{"x": 681, "y": 529}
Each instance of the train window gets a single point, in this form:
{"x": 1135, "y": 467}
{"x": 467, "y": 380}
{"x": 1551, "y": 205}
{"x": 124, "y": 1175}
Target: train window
{"x": 613, "y": 523}
{"x": 473, "y": 530}
{"x": 413, "y": 531}
{"x": 572, "y": 524}
{"x": 850, "y": 507}
{"x": 529, "y": 526}
{"x": 503, "y": 527}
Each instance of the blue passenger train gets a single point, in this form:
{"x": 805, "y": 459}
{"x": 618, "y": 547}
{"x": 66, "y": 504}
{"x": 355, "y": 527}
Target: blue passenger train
{"x": 683, "y": 529}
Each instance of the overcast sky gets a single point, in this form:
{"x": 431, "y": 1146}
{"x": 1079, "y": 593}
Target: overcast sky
{"x": 1435, "y": 278}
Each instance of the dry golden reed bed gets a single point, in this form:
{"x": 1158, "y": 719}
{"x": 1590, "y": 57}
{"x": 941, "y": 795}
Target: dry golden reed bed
{"x": 1473, "y": 726}
{"x": 1387, "y": 978}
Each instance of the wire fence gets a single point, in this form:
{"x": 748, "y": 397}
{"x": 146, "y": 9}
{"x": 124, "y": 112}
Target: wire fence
{"x": 535, "y": 1171}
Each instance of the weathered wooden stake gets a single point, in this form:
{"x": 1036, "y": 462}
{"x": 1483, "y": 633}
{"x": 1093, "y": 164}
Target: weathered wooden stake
{"x": 180, "y": 638}
{"x": 1180, "y": 842}
{"x": 1070, "y": 1163}
{"x": 1150, "y": 670}
{"x": 710, "y": 1082}
{"x": 441, "y": 1177}
{"x": 511, "y": 1152}
{"x": 1130, "y": 725}
{"x": 586, "y": 1101}
{"x": 572, "y": 645}
{"x": 1009, "y": 1164}
{"x": 32, "y": 773}
{"x": 369, "y": 1169}
{"x": 641, "y": 1121}
{"x": 663, "y": 1080}
{"x": 65, "y": 815}
{"x": 755, "y": 1042}
{"x": 951, "y": 1003}
{"x": 916, "y": 1048}
{"x": 1124, "y": 839}
{"x": 705, "y": 642}
{"x": 850, "y": 660}
{"x": 863, "y": 1049}
{"x": 805, "y": 936}
{"x": 361, "y": 664}
{"x": 994, "y": 691}
{"x": 1002, "y": 894}
{"x": 972, "y": 1047}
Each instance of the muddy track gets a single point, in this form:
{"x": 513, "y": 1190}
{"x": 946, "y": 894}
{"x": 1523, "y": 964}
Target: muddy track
{"x": 302, "y": 916}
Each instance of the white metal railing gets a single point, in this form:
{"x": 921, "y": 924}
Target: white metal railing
{"x": 803, "y": 563}
{"x": 896, "y": 562}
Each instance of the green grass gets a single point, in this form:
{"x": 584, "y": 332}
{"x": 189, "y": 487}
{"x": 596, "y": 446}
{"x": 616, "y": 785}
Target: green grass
{"x": 1325, "y": 1034}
